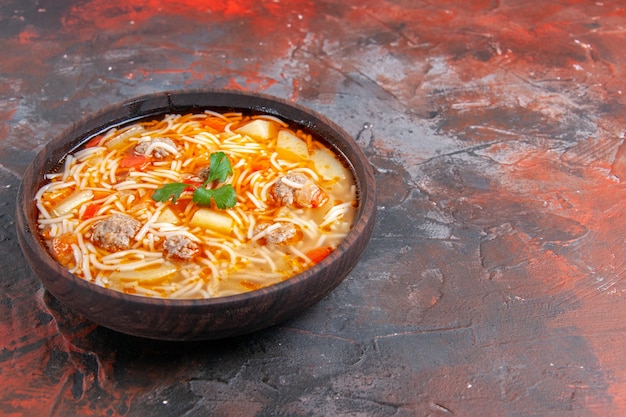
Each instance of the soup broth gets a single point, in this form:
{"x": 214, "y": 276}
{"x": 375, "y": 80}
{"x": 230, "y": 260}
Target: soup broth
{"x": 196, "y": 205}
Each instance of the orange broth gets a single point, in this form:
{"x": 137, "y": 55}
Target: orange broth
{"x": 233, "y": 250}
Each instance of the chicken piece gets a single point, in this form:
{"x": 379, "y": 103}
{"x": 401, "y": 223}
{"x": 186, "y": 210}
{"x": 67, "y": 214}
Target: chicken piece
{"x": 310, "y": 195}
{"x": 179, "y": 248}
{"x": 283, "y": 191}
{"x": 298, "y": 190}
{"x": 279, "y": 233}
{"x": 203, "y": 173}
{"x": 115, "y": 232}
{"x": 157, "y": 148}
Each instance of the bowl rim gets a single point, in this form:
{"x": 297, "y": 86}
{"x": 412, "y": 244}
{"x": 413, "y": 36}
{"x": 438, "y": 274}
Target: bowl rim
{"x": 312, "y": 120}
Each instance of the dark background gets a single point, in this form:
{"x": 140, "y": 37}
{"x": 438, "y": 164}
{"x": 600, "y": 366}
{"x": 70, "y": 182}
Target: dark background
{"x": 494, "y": 282}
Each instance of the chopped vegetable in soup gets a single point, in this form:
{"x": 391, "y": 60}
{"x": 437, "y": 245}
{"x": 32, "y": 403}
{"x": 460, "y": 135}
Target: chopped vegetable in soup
{"x": 196, "y": 206}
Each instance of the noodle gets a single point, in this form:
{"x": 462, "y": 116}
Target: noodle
{"x": 288, "y": 207}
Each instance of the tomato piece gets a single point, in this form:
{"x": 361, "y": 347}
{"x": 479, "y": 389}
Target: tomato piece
{"x": 91, "y": 211}
{"x": 133, "y": 161}
{"x": 93, "y": 142}
{"x": 192, "y": 183}
{"x": 317, "y": 255}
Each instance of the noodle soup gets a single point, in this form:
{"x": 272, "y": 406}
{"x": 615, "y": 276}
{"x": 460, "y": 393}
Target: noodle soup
{"x": 196, "y": 205}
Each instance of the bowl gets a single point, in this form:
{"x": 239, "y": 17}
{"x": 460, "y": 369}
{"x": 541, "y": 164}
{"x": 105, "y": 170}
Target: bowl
{"x": 197, "y": 319}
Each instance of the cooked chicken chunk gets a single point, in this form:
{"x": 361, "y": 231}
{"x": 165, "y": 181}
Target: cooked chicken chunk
{"x": 279, "y": 233}
{"x": 157, "y": 148}
{"x": 179, "y": 248}
{"x": 203, "y": 173}
{"x": 115, "y": 233}
{"x": 297, "y": 189}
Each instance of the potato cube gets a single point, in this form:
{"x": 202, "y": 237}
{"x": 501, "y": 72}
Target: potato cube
{"x": 73, "y": 201}
{"x": 327, "y": 164}
{"x": 257, "y": 129}
{"x": 168, "y": 216}
{"x": 207, "y": 218}
{"x": 288, "y": 144}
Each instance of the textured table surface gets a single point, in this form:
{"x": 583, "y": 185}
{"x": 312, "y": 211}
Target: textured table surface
{"x": 494, "y": 284}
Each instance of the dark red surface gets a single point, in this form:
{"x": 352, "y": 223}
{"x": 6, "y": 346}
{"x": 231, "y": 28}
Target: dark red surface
{"x": 495, "y": 280}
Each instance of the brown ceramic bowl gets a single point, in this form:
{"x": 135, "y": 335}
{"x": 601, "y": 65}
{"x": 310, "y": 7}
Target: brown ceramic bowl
{"x": 214, "y": 318}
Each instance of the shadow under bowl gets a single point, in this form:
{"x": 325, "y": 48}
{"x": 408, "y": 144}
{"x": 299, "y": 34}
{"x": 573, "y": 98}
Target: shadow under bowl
{"x": 197, "y": 319}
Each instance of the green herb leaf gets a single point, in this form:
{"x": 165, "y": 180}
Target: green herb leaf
{"x": 219, "y": 170}
{"x": 220, "y": 167}
{"x": 173, "y": 191}
{"x": 224, "y": 196}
